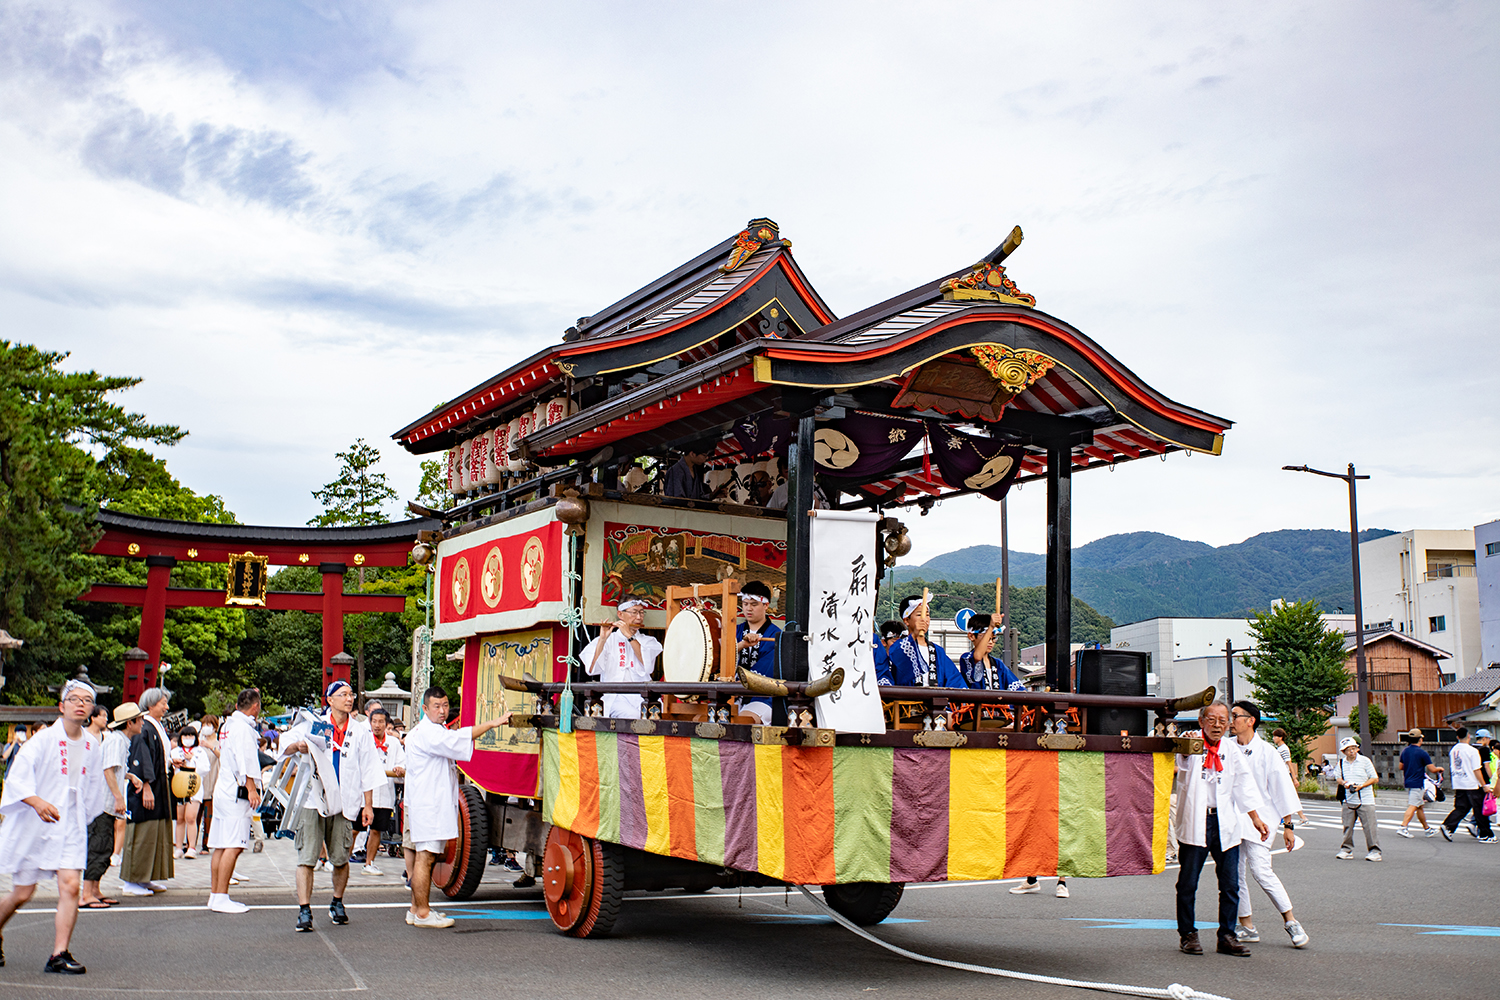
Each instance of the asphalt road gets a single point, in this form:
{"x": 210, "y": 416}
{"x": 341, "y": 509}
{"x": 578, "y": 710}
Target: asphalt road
{"x": 1423, "y": 922}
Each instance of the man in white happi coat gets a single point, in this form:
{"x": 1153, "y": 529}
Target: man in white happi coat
{"x": 1216, "y": 792}
{"x": 55, "y": 786}
{"x": 348, "y": 772}
{"x": 236, "y": 796}
{"x": 393, "y": 764}
{"x": 1274, "y": 783}
{"x": 623, "y": 653}
{"x": 432, "y": 795}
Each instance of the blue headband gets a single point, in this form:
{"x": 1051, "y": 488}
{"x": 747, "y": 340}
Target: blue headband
{"x": 335, "y": 686}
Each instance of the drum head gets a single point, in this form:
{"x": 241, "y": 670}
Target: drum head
{"x": 690, "y": 652}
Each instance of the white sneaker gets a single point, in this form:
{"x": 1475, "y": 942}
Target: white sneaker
{"x": 115, "y": 860}
{"x": 371, "y": 870}
{"x": 223, "y": 904}
{"x": 1431, "y": 831}
{"x": 136, "y": 889}
{"x": 1025, "y": 887}
{"x": 1299, "y": 936}
{"x": 1062, "y": 890}
{"x": 235, "y": 880}
{"x": 433, "y": 919}
{"x": 1402, "y": 831}
{"x": 325, "y": 865}
{"x": 1344, "y": 855}
{"x": 1246, "y": 935}
{"x": 156, "y": 887}
{"x": 1374, "y": 856}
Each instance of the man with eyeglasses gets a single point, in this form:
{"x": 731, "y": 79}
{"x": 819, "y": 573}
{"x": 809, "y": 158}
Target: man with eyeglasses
{"x": 54, "y": 788}
{"x": 623, "y": 653}
{"x": 1274, "y": 783}
{"x": 1215, "y": 791}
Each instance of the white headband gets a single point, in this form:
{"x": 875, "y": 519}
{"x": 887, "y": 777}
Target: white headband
{"x": 909, "y": 605}
{"x": 632, "y": 602}
{"x": 754, "y": 597}
{"x": 72, "y": 686}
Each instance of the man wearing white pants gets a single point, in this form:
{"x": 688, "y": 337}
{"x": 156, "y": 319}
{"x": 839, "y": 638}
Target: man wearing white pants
{"x": 1274, "y": 783}
{"x": 239, "y": 768}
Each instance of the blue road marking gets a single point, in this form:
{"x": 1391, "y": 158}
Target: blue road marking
{"x": 496, "y": 913}
{"x": 1117, "y": 924}
{"x": 1454, "y": 930}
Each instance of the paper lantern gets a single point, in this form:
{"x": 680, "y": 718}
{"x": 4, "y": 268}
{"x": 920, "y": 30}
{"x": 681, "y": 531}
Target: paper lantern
{"x": 491, "y": 470}
{"x": 452, "y": 459}
{"x": 464, "y": 485}
{"x": 514, "y": 433}
{"x": 559, "y": 408}
{"x": 478, "y": 447}
{"x": 500, "y": 449}
{"x": 539, "y": 416}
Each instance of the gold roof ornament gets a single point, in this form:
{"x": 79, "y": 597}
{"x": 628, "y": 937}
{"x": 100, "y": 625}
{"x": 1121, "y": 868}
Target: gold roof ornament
{"x": 757, "y": 234}
{"x": 987, "y": 280}
{"x": 1015, "y": 370}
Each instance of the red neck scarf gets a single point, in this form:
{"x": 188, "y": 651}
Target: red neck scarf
{"x": 380, "y": 742}
{"x": 1211, "y": 759}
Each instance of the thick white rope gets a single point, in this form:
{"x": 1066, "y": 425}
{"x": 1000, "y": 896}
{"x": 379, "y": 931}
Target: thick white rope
{"x": 1174, "y": 992}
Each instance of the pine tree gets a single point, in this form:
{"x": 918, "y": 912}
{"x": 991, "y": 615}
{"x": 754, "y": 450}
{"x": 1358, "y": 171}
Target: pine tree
{"x": 52, "y": 423}
{"x": 359, "y": 494}
{"x": 1298, "y": 669}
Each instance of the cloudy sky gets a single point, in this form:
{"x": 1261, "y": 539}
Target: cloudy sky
{"x": 307, "y": 222}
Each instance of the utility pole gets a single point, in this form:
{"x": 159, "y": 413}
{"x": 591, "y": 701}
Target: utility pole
{"x": 1360, "y": 677}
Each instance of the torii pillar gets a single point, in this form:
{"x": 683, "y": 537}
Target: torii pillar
{"x": 153, "y": 621}
{"x": 334, "y": 668}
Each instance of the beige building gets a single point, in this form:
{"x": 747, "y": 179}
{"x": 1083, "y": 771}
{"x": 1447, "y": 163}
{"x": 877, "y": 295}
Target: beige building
{"x": 1423, "y": 582}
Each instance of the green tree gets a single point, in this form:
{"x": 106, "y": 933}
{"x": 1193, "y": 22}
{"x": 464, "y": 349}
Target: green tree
{"x": 1298, "y": 671}
{"x": 358, "y": 494}
{"x": 1378, "y": 720}
{"x": 432, "y": 488}
{"x": 52, "y": 424}
{"x": 201, "y": 644}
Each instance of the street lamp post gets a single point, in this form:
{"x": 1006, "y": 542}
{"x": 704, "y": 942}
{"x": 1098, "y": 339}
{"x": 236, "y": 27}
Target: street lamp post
{"x": 1360, "y": 677}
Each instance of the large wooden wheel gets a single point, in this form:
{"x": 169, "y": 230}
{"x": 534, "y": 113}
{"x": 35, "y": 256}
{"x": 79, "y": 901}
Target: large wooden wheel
{"x": 583, "y": 881}
{"x": 864, "y": 903}
{"x": 461, "y": 867}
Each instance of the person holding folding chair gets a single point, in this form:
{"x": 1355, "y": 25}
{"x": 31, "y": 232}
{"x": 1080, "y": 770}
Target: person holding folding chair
{"x": 348, "y": 772}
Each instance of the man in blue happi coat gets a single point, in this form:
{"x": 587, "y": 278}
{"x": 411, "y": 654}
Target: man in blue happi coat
{"x": 755, "y": 642}
{"x": 982, "y": 671}
{"x": 914, "y": 661}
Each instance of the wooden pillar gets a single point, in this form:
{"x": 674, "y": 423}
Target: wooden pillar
{"x": 154, "y": 615}
{"x": 333, "y": 622}
{"x": 1059, "y": 564}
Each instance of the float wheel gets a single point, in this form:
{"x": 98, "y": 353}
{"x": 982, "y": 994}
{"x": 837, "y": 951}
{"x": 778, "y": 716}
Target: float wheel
{"x": 583, "y": 882}
{"x": 458, "y": 871}
{"x": 865, "y": 903}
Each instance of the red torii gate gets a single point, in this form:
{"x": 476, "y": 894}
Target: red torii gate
{"x": 164, "y": 543}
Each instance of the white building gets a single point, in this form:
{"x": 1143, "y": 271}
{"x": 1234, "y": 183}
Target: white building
{"x": 1424, "y": 582}
{"x": 1487, "y": 558}
{"x": 1187, "y": 654}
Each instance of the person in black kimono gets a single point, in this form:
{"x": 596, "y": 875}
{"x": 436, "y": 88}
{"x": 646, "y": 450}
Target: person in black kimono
{"x": 148, "y": 829}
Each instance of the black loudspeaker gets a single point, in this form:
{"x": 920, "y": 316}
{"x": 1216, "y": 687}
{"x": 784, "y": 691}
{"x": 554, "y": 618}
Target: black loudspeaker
{"x": 1116, "y": 672}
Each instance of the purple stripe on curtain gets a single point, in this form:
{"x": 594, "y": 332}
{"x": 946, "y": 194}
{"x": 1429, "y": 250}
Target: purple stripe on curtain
{"x": 632, "y": 794}
{"x": 1129, "y": 783}
{"x": 919, "y": 816}
{"x": 737, "y": 771}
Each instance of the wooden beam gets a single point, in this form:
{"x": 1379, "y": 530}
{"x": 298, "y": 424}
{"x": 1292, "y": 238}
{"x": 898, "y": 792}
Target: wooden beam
{"x": 276, "y": 600}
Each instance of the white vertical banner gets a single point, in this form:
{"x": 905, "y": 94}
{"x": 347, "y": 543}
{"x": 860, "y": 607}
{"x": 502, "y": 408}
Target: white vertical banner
{"x": 841, "y": 624}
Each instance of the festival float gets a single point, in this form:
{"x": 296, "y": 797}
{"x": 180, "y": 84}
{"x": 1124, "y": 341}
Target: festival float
{"x": 818, "y": 431}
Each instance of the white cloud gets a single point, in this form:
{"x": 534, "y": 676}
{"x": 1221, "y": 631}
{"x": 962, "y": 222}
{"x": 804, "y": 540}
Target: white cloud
{"x": 307, "y": 222}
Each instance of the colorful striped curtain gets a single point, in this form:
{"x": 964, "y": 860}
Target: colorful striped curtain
{"x": 820, "y": 815}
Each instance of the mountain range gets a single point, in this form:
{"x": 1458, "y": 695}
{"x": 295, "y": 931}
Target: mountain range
{"x": 1146, "y": 574}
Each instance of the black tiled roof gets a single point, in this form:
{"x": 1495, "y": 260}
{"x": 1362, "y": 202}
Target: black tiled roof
{"x": 395, "y": 531}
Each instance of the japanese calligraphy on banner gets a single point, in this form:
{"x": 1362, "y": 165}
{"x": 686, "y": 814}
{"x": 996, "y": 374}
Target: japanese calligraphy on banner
{"x": 841, "y": 625}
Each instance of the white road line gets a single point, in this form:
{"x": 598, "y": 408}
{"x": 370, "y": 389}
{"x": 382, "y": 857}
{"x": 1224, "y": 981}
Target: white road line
{"x": 359, "y": 984}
